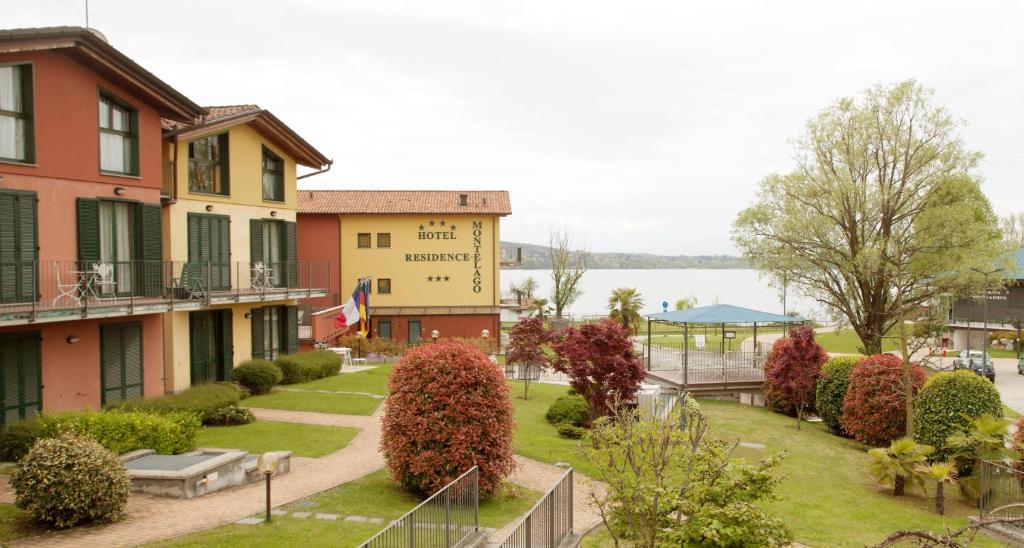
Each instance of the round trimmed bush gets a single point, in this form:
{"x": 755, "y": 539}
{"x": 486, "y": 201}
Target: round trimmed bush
{"x": 69, "y": 480}
{"x": 831, "y": 389}
{"x": 448, "y": 410}
{"x": 257, "y": 376}
{"x": 571, "y": 431}
{"x": 231, "y": 415}
{"x": 945, "y": 404}
{"x": 569, "y": 410}
{"x": 874, "y": 408}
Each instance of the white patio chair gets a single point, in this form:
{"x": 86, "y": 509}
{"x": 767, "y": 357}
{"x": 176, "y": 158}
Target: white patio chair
{"x": 69, "y": 290}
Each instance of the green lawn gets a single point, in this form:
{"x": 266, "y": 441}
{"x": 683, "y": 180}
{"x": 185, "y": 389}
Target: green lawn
{"x": 846, "y": 341}
{"x": 534, "y": 436}
{"x": 341, "y": 404}
{"x": 16, "y": 524}
{"x": 371, "y": 381}
{"x": 373, "y": 496}
{"x": 827, "y": 497}
{"x": 304, "y": 440}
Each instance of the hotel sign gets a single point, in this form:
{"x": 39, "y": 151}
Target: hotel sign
{"x": 442, "y": 231}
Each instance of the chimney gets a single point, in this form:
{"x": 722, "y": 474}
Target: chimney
{"x": 463, "y": 199}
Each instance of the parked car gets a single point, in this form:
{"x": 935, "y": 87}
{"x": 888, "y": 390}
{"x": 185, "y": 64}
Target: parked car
{"x": 977, "y": 362}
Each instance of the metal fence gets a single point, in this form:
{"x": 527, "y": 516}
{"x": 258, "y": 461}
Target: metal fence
{"x": 696, "y": 367}
{"x": 444, "y": 520}
{"x": 1000, "y": 484}
{"x": 550, "y": 520}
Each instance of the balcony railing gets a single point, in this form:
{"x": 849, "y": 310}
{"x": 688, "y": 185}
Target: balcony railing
{"x": 33, "y": 291}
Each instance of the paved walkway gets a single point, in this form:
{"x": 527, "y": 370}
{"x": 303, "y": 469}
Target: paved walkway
{"x": 153, "y": 518}
{"x": 309, "y": 417}
{"x": 542, "y": 477}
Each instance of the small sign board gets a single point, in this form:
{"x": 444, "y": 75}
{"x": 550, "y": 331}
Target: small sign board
{"x": 664, "y": 305}
{"x": 729, "y": 334}
{"x": 699, "y": 340}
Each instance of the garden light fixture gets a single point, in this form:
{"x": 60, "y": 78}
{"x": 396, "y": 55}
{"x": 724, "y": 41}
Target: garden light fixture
{"x": 267, "y": 464}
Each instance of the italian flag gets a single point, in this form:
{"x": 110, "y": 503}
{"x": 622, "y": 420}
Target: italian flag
{"x": 356, "y": 310}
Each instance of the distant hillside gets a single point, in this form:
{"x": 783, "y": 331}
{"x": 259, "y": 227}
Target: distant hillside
{"x": 536, "y": 257}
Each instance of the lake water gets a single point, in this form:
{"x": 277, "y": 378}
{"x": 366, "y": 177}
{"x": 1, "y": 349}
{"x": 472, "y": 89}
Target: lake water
{"x": 740, "y": 287}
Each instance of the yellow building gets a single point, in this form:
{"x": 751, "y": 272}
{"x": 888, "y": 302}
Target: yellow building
{"x": 230, "y": 242}
{"x": 434, "y": 257}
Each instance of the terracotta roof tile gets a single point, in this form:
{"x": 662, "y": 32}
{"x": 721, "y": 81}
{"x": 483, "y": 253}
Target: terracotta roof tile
{"x": 352, "y": 202}
{"x": 214, "y": 114}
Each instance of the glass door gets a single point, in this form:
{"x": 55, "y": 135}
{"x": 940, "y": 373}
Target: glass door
{"x": 112, "y": 276}
{"x": 273, "y": 242}
{"x": 414, "y": 331}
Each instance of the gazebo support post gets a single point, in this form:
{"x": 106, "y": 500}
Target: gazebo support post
{"x": 686, "y": 353}
{"x": 755, "y": 345}
{"x": 648, "y": 344}
{"x": 725, "y": 378}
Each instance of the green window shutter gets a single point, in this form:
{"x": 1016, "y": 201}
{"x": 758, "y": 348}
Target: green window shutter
{"x": 88, "y": 231}
{"x": 8, "y": 248}
{"x": 150, "y": 252}
{"x": 255, "y": 240}
{"x": 194, "y": 222}
{"x": 291, "y": 329}
{"x": 292, "y": 268}
{"x": 111, "y": 368}
{"x": 20, "y": 388}
{"x": 227, "y": 345}
{"x": 132, "y": 359}
{"x": 220, "y": 234}
{"x": 225, "y": 170}
{"x": 28, "y": 248}
{"x": 257, "y": 333}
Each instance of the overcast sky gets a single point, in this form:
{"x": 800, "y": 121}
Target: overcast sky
{"x": 645, "y": 126}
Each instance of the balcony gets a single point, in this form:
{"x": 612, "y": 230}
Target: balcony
{"x": 49, "y": 291}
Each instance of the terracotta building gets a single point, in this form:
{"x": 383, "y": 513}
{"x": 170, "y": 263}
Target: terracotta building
{"x": 81, "y": 272}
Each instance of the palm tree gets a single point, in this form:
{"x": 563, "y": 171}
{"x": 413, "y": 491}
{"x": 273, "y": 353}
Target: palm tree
{"x": 528, "y": 287}
{"x": 899, "y": 464}
{"x": 941, "y": 473}
{"x": 624, "y": 306}
{"x": 540, "y": 306}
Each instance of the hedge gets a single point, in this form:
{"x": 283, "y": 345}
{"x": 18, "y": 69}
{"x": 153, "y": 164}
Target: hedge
{"x": 831, "y": 389}
{"x": 946, "y": 402}
{"x": 124, "y": 431}
{"x": 204, "y": 400}
{"x": 17, "y": 437}
{"x": 257, "y": 376}
{"x": 569, "y": 409}
{"x": 308, "y": 366}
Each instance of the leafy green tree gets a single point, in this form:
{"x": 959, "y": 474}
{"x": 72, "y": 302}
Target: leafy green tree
{"x": 883, "y": 213}
{"x": 686, "y": 303}
{"x": 899, "y": 464}
{"x": 624, "y": 307}
{"x": 567, "y": 269}
{"x": 528, "y": 287}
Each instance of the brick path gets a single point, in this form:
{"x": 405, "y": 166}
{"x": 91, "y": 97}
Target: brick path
{"x": 542, "y": 477}
{"x": 153, "y": 518}
{"x": 309, "y": 417}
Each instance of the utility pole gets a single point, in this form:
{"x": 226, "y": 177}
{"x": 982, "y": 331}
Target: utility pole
{"x": 984, "y": 337}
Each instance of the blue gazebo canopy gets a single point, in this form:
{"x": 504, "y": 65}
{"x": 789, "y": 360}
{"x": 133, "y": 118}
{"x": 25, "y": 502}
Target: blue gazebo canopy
{"x": 722, "y": 314}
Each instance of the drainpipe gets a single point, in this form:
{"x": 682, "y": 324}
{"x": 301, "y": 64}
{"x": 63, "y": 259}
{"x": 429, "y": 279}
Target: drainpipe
{"x": 325, "y": 170}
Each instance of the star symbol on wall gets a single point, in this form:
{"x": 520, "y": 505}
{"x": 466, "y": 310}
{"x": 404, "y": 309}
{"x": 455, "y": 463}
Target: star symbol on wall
{"x": 453, "y": 227}
{"x": 430, "y": 278}
{"x": 438, "y": 277}
{"x": 431, "y": 223}
{"x": 442, "y": 223}
{"x": 446, "y": 278}
{"x": 421, "y": 227}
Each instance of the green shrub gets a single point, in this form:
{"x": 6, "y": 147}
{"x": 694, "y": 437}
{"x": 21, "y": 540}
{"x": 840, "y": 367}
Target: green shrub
{"x": 735, "y": 524}
{"x": 569, "y": 409}
{"x": 571, "y": 431}
{"x": 231, "y": 416}
{"x": 308, "y": 366}
{"x": 123, "y": 431}
{"x": 257, "y": 376}
{"x": 202, "y": 400}
{"x": 70, "y": 480}
{"x": 831, "y": 389}
{"x": 946, "y": 403}
{"x": 17, "y": 438}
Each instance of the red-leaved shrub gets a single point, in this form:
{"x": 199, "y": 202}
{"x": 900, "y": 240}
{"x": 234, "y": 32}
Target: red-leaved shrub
{"x": 448, "y": 410}
{"x": 875, "y": 407}
{"x": 791, "y": 370}
{"x": 601, "y": 364}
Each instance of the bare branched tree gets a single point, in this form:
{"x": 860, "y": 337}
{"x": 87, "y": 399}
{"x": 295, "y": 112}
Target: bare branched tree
{"x": 567, "y": 268}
